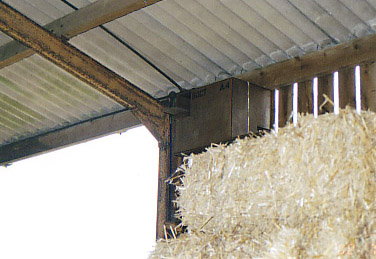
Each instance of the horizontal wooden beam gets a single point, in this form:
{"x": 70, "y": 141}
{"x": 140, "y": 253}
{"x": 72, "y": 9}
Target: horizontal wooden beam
{"x": 85, "y": 68}
{"x": 317, "y": 63}
{"x": 75, "y": 23}
{"x": 78, "y": 133}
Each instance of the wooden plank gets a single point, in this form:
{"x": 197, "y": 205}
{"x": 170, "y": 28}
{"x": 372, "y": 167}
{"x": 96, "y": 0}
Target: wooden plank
{"x": 305, "y": 97}
{"x": 347, "y": 87}
{"x": 75, "y": 23}
{"x": 285, "y": 105}
{"x": 315, "y": 64}
{"x": 85, "y": 68}
{"x": 368, "y": 86}
{"x": 68, "y": 136}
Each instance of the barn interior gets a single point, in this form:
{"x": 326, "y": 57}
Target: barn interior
{"x": 193, "y": 72}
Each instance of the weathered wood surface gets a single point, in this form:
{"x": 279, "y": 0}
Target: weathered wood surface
{"x": 315, "y": 64}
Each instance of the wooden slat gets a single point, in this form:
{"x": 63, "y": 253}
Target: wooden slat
{"x": 68, "y": 136}
{"x": 75, "y": 23}
{"x": 368, "y": 86}
{"x": 146, "y": 109}
{"x": 285, "y": 105}
{"x": 317, "y": 63}
{"x": 305, "y": 97}
{"x": 347, "y": 87}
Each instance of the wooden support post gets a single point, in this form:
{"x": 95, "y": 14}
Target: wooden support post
{"x": 164, "y": 173}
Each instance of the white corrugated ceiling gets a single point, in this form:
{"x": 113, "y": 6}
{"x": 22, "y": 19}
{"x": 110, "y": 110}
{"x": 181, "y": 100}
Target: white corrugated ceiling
{"x": 197, "y": 42}
{"x": 193, "y": 42}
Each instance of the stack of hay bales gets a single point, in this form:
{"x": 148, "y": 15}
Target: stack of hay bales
{"x": 306, "y": 192}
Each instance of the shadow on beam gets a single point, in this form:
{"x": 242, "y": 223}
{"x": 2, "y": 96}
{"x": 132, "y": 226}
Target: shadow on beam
{"x": 75, "y": 134}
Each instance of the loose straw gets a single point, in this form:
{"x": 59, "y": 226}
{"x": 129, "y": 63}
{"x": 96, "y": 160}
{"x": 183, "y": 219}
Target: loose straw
{"x": 276, "y": 110}
{"x": 315, "y": 95}
{"x": 336, "y": 92}
{"x": 295, "y": 105}
{"x": 358, "y": 98}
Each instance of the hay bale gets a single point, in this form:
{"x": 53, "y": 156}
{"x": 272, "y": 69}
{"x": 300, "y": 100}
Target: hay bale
{"x": 307, "y": 191}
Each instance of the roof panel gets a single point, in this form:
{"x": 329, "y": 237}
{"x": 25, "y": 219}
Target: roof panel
{"x": 200, "y": 42}
{"x": 100, "y": 45}
{"x": 364, "y": 10}
{"x": 37, "y": 97}
{"x": 301, "y": 21}
{"x": 345, "y": 16}
{"x": 186, "y": 33}
{"x": 323, "y": 20}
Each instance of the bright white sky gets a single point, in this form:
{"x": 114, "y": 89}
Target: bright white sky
{"x": 93, "y": 200}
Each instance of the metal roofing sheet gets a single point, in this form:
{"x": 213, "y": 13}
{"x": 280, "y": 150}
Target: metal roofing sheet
{"x": 200, "y": 42}
{"x": 37, "y": 97}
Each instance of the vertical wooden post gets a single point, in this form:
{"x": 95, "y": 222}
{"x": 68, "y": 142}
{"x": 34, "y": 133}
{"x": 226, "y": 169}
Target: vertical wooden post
{"x": 163, "y": 175}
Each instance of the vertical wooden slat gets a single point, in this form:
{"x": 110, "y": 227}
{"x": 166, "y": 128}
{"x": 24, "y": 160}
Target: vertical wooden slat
{"x": 347, "y": 87}
{"x": 368, "y": 86}
{"x": 305, "y": 97}
{"x": 285, "y": 105}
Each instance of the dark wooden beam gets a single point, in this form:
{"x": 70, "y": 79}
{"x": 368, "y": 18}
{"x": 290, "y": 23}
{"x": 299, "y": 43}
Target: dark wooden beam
{"x": 78, "y": 133}
{"x": 315, "y": 64}
{"x": 85, "y": 68}
{"x": 163, "y": 190}
{"x": 75, "y": 23}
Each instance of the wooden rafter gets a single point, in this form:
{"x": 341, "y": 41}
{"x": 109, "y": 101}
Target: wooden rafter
{"x": 64, "y": 55}
{"x": 317, "y": 63}
{"x": 75, "y": 23}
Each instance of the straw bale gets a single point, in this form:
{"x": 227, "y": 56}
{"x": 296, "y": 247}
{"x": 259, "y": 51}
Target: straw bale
{"x": 305, "y": 192}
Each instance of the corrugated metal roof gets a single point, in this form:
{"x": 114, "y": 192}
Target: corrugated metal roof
{"x": 194, "y": 42}
{"x": 37, "y": 97}
{"x": 200, "y": 42}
